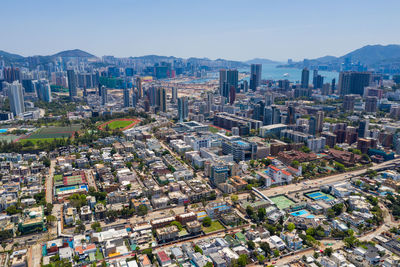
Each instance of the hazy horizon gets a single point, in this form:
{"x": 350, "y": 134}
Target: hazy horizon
{"x": 231, "y": 30}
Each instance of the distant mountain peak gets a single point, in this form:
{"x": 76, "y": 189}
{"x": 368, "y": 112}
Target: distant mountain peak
{"x": 261, "y": 61}
{"x": 372, "y": 56}
{"x": 73, "y": 53}
{"x": 9, "y": 55}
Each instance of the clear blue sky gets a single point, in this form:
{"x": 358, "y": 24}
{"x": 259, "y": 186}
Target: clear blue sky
{"x": 230, "y": 29}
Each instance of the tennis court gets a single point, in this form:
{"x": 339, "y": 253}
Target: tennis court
{"x": 74, "y": 179}
{"x": 320, "y": 196}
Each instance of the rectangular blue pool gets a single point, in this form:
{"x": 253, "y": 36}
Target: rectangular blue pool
{"x": 242, "y": 143}
{"x": 299, "y": 213}
{"x": 302, "y": 213}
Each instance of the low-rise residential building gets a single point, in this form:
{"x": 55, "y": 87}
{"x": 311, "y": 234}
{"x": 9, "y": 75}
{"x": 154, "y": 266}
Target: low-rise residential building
{"x": 167, "y": 233}
{"x": 292, "y": 240}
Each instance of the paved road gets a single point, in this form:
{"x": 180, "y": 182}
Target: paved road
{"x": 56, "y": 212}
{"x": 49, "y": 182}
{"x": 90, "y": 179}
{"x": 34, "y": 255}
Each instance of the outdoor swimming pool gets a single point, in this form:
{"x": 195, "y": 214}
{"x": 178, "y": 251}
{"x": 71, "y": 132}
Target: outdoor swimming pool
{"x": 320, "y": 195}
{"x": 3, "y": 130}
{"x": 72, "y": 187}
{"x": 68, "y": 188}
{"x": 241, "y": 143}
{"x": 302, "y": 213}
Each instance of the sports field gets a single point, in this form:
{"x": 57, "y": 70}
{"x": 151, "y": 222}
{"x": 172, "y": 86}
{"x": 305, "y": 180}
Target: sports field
{"x": 118, "y": 124}
{"x": 122, "y": 124}
{"x": 53, "y": 132}
{"x": 282, "y": 202}
{"x": 74, "y": 180}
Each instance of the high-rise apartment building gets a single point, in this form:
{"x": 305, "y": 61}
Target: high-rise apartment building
{"x": 210, "y": 101}
{"x": 232, "y": 95}
{"x": 333, "y": 85}
{"x": 284, "y": 84}
{"x": 152, "y": 96}
{"x": 272, "y": 115}
{"x": 222, "y": 80}
{"x": 139, "y": 87}
{"x": 126, "y": 98}
{"x": 104, "y": 95}
{"x": 291, "y": 115}
{"x": 135, "y": 98}
{"x": 231, "y": 78}
{"x": 43, "y": 90}
{"x": 11, "y": 74}
{"x": 351, "y": 82}
{"x": 320, "y": 121}
{"x": 315, "y": 75}
{"x": 348, "y": 103}
{"x": 312, "y": 125}
{"x": 363, "y": 128}
{"x": 162, "y": 99}
{"x": 16, "y": 98}
{"x": 371, "y": 104}
{"x": 225, "y": 92}
{"x": 305, "y": 77}
{"x": 28, "y": 85}
{"x": 174, "y": 92}
{"x": 72, "y": 83}
{"x": 318, "y": 82}
{"x": 183, "y": 108}
{"x": 255, "y": 76}
{"x": 245, "y": 86}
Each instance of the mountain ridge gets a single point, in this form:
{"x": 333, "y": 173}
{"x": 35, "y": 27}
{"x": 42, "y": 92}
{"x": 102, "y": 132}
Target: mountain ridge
{"x": 372, "y": 56}
{"x": 73, "y": 53}
{"x": 258, "y": 60}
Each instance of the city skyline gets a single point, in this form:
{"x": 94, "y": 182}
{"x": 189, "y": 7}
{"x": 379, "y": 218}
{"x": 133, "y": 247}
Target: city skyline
{"x": 259, "y": 29}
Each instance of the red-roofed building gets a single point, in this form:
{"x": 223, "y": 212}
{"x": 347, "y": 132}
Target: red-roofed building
{"x": 84, "y": 250}
{"x": 163, "y": 258}
{"x": 294, "y": 171}
{"x": 144, "y": 261}
{"x": 274, "y": 175}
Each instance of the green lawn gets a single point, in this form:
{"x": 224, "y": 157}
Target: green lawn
{"x": 213, "y": 129}
{"x": 118, "y": 124}
{"x": 215, "y": 226}
{"x": 58, "y": 178}
{"x": 35, "y": 140}
{"x": 99, "y": 255}
{"x": 54, "y": 132}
